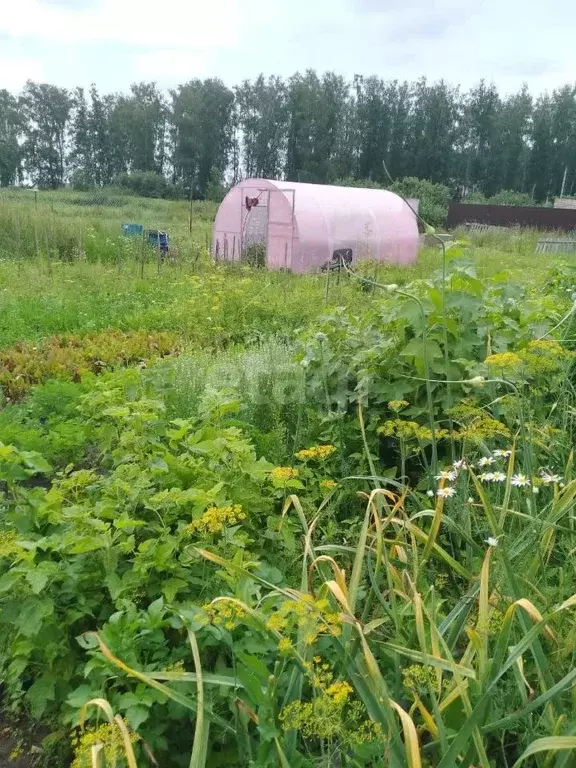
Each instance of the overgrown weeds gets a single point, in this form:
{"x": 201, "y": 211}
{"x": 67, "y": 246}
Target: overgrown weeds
{"x": 343, "y": 540}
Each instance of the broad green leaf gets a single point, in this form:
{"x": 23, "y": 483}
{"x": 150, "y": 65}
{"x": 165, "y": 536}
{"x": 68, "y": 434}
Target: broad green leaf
{"x": 37, "y": 580}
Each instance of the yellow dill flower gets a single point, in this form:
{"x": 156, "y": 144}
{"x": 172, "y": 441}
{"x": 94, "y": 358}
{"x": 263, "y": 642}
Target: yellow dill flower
{"x": 482, "y": 428}
{"x": 283, "y": 474}
{"x": 408, "y": 430}
{"x": 215, "y": 519}
{"x": 476, "y": 424}
{"x": 316, "y": 453}
{"x": 109, "y": 736}
{"x": 416, "y": 677}
{"x": 328, "y": 485}
{"x": 311, "y": 617}
{"x": 284, "y": 645}
{"x": 225, "y": 614}
{"x": 545, "y": 356}
{"x": 365, "y": 730}
{"x": 176, "y": 668}
{"x": 340, "y": 691}
{"x": 332, "y": 713}
{"x": 276, "y": 622}
{"x": 398, "y": 405}
{"x": 503, "y": 360}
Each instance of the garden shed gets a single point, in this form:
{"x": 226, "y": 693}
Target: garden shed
{"x": 301, "y": 227}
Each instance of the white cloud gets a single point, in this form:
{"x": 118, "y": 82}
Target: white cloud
{"x": 169, "y": 65}
{"x": 169, "y": 23}
{"x": 114, "y": 42}
{"x": 15, "y": 70}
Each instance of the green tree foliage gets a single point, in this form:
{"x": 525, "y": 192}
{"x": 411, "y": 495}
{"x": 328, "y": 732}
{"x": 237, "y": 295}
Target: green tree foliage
{"x": 311, "y": 127}
{"x": 82, "y": 155}
{"x": 141, "y": 116}
{"x": 262, "y": 114}
{"x": 10, "y": 126}
{"x": 45, "y": 110}
{"x": 434, "y": 198}
{"x": 201, "y": 132}
{"x": 315, "y": 106}
{"x": 150, "y": 184}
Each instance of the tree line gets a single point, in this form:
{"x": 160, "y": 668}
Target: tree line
{"x": 309, "y": 127}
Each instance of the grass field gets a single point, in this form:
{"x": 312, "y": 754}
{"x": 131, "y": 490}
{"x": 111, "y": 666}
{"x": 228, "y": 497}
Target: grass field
{"x": 257, "y": 519}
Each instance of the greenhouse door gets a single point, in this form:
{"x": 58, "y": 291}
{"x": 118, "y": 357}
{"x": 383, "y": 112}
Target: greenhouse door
{"x": 280, "y": 228}
{"x": 255, "y": 229}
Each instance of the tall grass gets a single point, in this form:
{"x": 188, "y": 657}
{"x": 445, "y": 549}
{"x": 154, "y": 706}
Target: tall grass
{"x": 446, "y": 627}
{"x": 67, "y": 225}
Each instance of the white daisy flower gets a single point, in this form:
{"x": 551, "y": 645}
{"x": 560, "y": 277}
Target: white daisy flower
{"x": 499, "y": 454}
{"x": 485, "y": 461}
{"x": 498, "y": 477}
{"x": 447, "y": 475}
{"x": 486, "y": 477}
{"x": 461, "y": 464}
{"x": 491, "y": 541}
{"x": 446, "y": 493}
{"x": 548, "y": 478}
{"x": 430, "y": 493}
{"x": 520, "y": 480}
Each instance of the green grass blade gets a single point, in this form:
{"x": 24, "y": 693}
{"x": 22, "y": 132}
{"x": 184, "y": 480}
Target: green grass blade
{"x": 547, "y": 744}
{"x": 202, "y": 729}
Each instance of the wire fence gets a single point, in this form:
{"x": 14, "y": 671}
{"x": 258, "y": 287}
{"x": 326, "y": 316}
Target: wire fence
{"x": 102, "y": 226}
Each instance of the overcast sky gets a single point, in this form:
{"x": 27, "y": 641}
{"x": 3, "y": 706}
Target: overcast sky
{"x": 115, "y": 42}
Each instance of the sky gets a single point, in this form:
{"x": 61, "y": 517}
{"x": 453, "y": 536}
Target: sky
{"x": 113, "y": 43}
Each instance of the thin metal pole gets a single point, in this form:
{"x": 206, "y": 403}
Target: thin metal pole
{"x": 292, "y": 228}
{"x": 564, "y": 181}
{"x": 268, "y": 226}
{"x": 242, "y": 220}
{"x": 142, "y": 258}
{"x": 190, "y": 213}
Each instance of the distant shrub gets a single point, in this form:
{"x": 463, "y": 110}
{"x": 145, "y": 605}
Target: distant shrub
{"x": 150, "y": 184}
{"x": 349, "y": 181}
{"x": 82, "y": 181}
{"x": 434, "y": 198}
{"x": 504, "y": 197}
{"x": 71, "y": 357}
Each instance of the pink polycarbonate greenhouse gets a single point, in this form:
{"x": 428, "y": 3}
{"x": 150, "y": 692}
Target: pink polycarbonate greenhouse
{"x": 302, "y": 227}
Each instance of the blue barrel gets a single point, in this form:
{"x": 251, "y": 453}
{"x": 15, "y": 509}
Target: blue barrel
{"x": 131, "y": 230}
